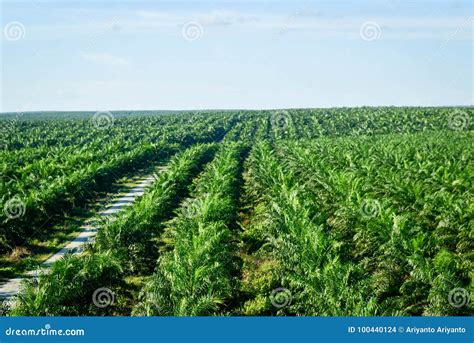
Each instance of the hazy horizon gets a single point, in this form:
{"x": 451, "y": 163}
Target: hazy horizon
{"x": 195, "y": 55}
{"x": 232, "y": 109}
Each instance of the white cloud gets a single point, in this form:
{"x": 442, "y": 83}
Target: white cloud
{"x": 304, "y": 19}
{"x": 221, "y": 17}
{"x": 157, "y": 19}
{"x": 114, "y": 22}
{"x": 107, "y": 59}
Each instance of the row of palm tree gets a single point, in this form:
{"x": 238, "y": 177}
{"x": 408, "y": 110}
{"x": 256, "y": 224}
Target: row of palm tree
{"x": 126, "y": 246}
{"x": 315, "y": 123}
{"x": 197, "y": 269}
{"x": 49, "y": 203}
{"x": 292, "y": 265}
{"x": 133, "y": 237}
{"x": 399, "y": 206}
{"x": 54, "y": 184}
{"x": 368, "y": 223}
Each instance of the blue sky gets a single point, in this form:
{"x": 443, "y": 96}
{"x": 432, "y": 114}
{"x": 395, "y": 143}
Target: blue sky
{"x": 111, "y": 55}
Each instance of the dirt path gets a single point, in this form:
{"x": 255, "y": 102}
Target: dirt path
{"x": 89, "y": 230}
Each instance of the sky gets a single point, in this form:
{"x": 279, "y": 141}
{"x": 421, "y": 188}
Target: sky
{"x": 182, "y": 55}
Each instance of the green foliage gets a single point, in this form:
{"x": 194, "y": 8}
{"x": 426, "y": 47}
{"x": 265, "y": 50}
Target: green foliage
{"x": 131, "y": 238}
{"x": 196, "y": 272}
{"x": 68, "y": 288}
{"x": 345, "y": 211}
{"x": 306, "y": 261}
{"x": 55, "y": 166}
{"x": 385, "y": 206}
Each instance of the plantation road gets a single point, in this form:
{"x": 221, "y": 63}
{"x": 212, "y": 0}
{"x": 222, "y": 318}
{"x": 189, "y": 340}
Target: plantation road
{"x": 89, "y": 230}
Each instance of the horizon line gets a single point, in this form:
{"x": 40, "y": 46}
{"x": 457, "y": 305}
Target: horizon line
{"x": 236, "y": 109}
